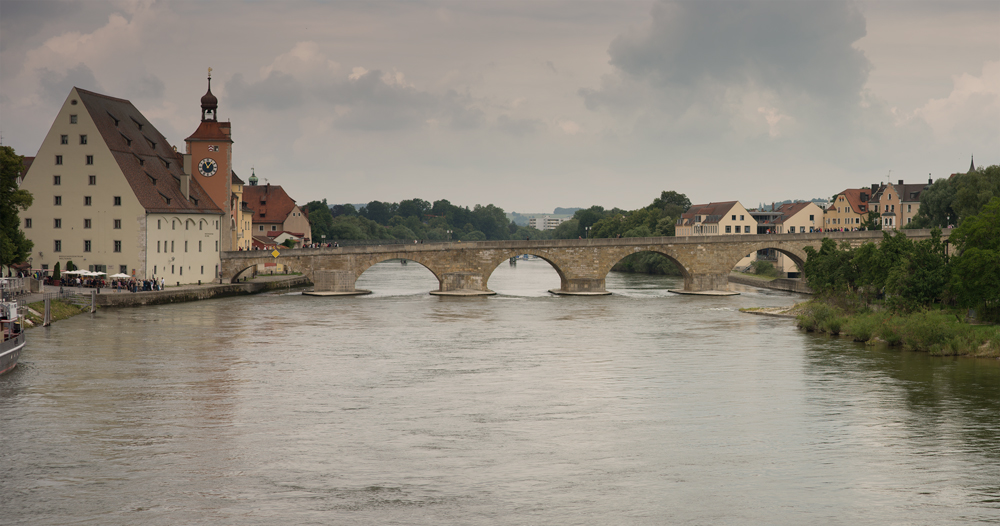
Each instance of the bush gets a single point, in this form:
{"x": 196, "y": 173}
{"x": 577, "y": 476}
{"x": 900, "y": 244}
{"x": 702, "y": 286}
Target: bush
{"x": 764, "y": 268}
{"x": 815, "y": 316}
{"x": 863, "y": 327}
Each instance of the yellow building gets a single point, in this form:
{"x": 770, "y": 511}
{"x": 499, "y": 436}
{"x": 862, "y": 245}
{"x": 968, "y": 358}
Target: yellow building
{"x": 848, "y": 210}
{"x": 241, "y": 219}
{"x": 897, "y": 204}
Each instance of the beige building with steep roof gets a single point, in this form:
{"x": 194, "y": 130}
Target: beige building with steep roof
{"x": 112, "y": 195}
{"x": 716, "y": 219}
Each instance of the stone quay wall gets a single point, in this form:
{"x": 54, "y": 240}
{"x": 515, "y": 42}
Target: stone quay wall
{"x": 108, "y": 298}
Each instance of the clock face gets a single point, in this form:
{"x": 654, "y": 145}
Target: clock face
{"x": 208, "y": 167}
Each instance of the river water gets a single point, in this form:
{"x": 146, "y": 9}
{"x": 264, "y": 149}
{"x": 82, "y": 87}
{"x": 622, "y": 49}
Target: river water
{"x": 523, "y": 408}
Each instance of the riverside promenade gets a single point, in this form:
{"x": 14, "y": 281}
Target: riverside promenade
{"x": 177, "y": 294}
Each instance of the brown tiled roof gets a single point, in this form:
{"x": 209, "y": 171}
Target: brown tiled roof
{"x": 211, "y": 131}
{"x": 276, "y": 207}
{"x": 712, "y": 212}
{"x": 788, "y": 210}
{"x": 853, "y": 196}
{"x": 25, "y": 164}
{"x": 150, "y": 164}
{"x": 910, "y": 193}
{"x": 235, "y": 179}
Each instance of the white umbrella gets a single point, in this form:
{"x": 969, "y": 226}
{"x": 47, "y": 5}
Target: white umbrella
{"x": 98, "y": 273}
{"x": 118, "y": 275}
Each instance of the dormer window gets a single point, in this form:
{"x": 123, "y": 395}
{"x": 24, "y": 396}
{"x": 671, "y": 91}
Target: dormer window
{"x": 128, "y": 142}
{"x": 114, "y": 119}
{"x": 137, "y": 123}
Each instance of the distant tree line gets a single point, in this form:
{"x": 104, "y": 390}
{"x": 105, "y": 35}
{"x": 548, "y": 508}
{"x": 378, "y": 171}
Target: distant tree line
{"x": 414, "y": 219}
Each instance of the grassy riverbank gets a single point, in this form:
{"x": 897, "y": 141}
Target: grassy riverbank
{"x": 938, "y": 332}
{"x": 58, "y": 309}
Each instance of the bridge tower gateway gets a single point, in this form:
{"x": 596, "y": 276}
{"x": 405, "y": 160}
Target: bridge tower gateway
{"x": 582, "y": 264}
{"x": 209, "y": 159}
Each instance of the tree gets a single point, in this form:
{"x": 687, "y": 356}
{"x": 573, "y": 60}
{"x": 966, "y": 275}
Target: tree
{"x": 320, "y": 219}
{"x": 973, "y": 190}
{"x": 56, "y": 273}
{"x": 14, "y": 246}
{"x": 873, "y": 221}
{"x": 377, "y": 211}
{"x": 976, "y": 269}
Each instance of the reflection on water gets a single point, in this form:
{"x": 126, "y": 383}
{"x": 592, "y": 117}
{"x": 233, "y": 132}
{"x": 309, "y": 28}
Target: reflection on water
{"x": 522, "y": 408}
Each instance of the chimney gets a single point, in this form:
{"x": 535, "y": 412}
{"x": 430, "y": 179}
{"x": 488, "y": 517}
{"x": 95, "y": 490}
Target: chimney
{"x": 874, "y": 188}
{"x": 186, "y": 177}
{"x": 864, "y": 197}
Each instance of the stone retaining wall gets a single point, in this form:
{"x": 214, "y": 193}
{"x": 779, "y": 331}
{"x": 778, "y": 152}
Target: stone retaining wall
{"x": 109, "y": 298}
{"x": 789, "y": 285}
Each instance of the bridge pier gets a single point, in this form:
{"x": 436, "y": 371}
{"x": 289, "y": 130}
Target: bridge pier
{"x": 581, "y": 287}
{"x": 335, "y": 283}
{"x": 706, "y": 284}
{"x": 462, "y": 284}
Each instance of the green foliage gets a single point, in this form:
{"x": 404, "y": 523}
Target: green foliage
{"x": 905, "y": 274}
{"x": 14, "y": 246}
{"x": 320, "y": 220}
{"x": 935, "y": 206}
{"x": 764, "y": 268}
{"x": 873, "y": 221}
{"x": 648, "y": 263}
{"x": 290, "y": 243}
{"x": 816, "y": 315}
{"x": 56, "y": 272}
{"x": 948, "y": 202}
{"x": 70, "y": 265}
{"x": 976, "y": 269}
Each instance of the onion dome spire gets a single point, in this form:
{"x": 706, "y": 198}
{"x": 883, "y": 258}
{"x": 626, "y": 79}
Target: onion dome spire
{"x": 253, "y": 178}
{"x": 209, "y": 102}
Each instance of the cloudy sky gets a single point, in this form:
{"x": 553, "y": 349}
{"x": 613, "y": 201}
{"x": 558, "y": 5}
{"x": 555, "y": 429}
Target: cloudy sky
{"x": 537, "y": 104}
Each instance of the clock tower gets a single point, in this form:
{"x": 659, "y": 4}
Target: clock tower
{"x": 209, "y": 158}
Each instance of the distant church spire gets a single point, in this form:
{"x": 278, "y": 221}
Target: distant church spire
{"x": 209, "y": 103}
{"x": 253, "y": 178}
{"x": 972, "y": 165}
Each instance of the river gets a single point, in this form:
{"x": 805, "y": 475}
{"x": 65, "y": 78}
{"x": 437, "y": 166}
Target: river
{"x": 400, "y": 407}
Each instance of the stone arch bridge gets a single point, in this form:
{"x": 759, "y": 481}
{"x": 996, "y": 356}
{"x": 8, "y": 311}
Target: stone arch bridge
{"x": 464, "y": 268}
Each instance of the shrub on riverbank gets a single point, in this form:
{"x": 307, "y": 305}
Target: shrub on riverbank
{"x": 940, "y": 333}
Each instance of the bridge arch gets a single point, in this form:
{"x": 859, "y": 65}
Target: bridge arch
{"x": 505, "y": 255}
{"x": 792, "y": 250}
{"x": 370, "y": 262}
{"x": 292, "y": 265}
{"x": 663, "y": 251}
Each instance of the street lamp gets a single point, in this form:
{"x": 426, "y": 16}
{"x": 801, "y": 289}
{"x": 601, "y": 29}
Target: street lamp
{"x": 587, "y": 229}
{"x": 449, "y": 234}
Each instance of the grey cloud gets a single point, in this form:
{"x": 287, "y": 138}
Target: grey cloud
{"x": 797, "y": 49}
{"x": 518, "y": 127}
{"x": 371, "y": 103}
{"x": 279, "y": 91}
{"x": 149, "y": 86}
{"x": 22, "y": 19}
{"x": 55, "y": 87}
